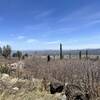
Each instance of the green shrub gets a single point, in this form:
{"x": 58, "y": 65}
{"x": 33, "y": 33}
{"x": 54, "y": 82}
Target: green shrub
{"x": 4, "y": 69}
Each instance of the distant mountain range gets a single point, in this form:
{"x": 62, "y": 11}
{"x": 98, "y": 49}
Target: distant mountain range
{"x": 65, "y": 52}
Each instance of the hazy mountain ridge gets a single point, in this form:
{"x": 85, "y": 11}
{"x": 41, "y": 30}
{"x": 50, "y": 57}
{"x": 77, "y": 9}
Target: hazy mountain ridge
{"x": 65, "y": 52}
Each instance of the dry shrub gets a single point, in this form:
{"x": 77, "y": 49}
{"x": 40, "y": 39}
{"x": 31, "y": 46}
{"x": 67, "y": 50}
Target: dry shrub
{"x": 85, "y": 73}
{"x": 4, "y": 69}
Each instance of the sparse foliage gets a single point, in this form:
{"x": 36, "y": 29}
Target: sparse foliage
{"x": 69, "y": 55}
{"x": 14, "y": 55}
{"x": 0, "y": 51}
{"x": 26, "y": 55}
{"x": 6, "y": 51}
{"x": 4, "y": 69}
{"x": 19, "y": 54}
{"x": 23, "y": 57}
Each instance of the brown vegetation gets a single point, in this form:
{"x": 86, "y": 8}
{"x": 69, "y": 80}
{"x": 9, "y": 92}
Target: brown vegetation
{"x": 83, "y": 73}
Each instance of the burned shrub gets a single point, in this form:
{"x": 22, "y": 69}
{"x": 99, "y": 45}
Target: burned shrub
{"x": 74, "y": 92}
{"x": 48, "y": 58}
{"x": 56, "y": 88}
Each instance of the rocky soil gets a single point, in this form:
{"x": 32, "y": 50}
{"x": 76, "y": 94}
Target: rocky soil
{"x": 19, "y": 89}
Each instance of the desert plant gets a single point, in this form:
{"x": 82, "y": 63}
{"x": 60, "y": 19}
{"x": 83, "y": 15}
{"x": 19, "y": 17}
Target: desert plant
{"x": 19, "y": 54}
{"x": 14, "y": 55}
{"x": 80, "y": 54}
{"x": 0, "y": 51}
{"x": 6, "y": 51}
{"x": 69, "y": 55}
{"x": 86, "y": 54}
{"x": 48, "y": 58}
{"x": 61, "y": 53}
{"x": 97, "y": 58}
{"x": 54, "y": 57}
{"x": 23, "y": 57}
{"x": 26, "y": 54}
{"x": 4, "y": 69}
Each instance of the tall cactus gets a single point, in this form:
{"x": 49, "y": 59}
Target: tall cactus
{"x": 69, "y": 55}
{"x": 48, "y": 58}
{"x": 86, "y": 54}
{"x": 61, "y": 55}
{"x": 80, "y": 55}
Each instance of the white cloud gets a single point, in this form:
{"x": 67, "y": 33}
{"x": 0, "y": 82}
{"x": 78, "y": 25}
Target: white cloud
{"x": 31, "y": 40}
{"x": 84, "y": 16}
{"x": 20, "y": 37}
{"x": 92, "y": 23}
{"x": 2, "y": 43}
{"x": 43, "y": 14}
{"x": 52, "y": 42}
{"x": 80, "y": 13}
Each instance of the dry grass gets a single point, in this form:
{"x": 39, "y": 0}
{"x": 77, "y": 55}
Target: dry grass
{"x": 34, "y": 95}
{"x": 6, "y": 61}
{"x": 84, "y": 73}
{"x": 19, "y": 89}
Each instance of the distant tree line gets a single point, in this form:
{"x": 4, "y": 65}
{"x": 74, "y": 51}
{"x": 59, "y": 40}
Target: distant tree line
{"x": 6, "y": 52}
{"x": 20, "y": 55}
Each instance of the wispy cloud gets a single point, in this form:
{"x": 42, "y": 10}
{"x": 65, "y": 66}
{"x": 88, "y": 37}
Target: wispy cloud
{"x": 70, "y": 23}
{"x": 52, "y": 42}
{"x": 37, "y": 26}
{"x": 78, "y": 14}
{"x": 45, "y": 29}
{"x": 92, "y": 22}
{"x": 42, "y": 14}
{"x": 92, "y": 16}
{"x": 31, "y": 40}
{"x": 20, "y": 37}
{"x": 5, "y": 42}
{"x": 79, "y": 43}
{"x": 82, "y": 17}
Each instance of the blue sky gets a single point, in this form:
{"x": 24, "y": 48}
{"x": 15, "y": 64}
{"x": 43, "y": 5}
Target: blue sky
{"x": 43, "y": 24}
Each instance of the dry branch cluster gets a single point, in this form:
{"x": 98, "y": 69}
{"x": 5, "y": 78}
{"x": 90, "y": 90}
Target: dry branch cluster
{"x": 84, "y": 73}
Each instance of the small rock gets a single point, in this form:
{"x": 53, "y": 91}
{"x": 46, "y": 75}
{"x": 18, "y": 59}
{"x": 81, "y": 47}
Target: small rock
{"x": 63, "y": 97}
{"x": 16, "y": 88}
{"x": 14, "y": 80}
{"x": 98, "y": 98}
{"x": 5, "y": 76}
